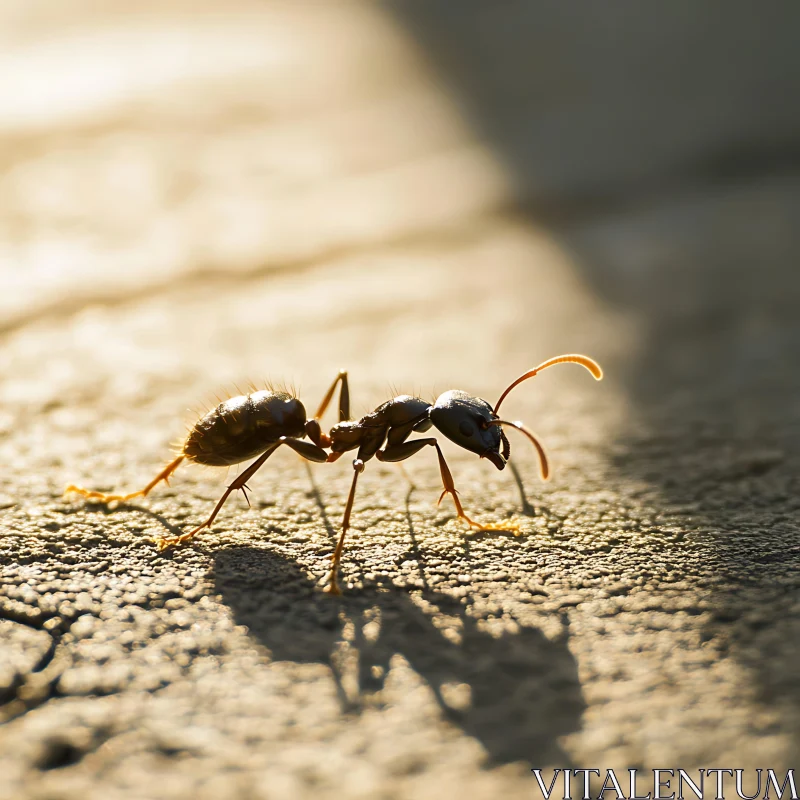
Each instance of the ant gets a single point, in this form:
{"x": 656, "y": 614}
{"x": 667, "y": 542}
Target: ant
{"x": 256, "y": 424}
{"x": 239, "y": 429}
{"x": 468, "y": 421}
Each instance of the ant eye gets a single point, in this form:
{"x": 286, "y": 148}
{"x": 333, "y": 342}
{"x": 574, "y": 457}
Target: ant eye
{"x": 465, "y": 428}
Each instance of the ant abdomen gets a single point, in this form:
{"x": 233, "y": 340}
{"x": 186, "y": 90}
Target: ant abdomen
{"x": 243, "y": 427}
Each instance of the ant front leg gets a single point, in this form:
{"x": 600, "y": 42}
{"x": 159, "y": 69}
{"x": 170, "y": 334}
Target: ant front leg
{"x": 313, "y": 428}
{"x": 400, "y": 452}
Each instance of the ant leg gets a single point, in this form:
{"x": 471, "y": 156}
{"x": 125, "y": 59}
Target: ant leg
{"x": 402, "y": 451}
{"x": 397, "y": 436}
{"x": 344, "y": 398}
{"x": 167, "y": 541}
{"x": 305, "y": 449}
{"x": 122, "y": 498}
{"x": 313, "y": 428}
{"x": 333, "y": 588}
{"x": 450, "y": 488}
{"x": 308, "y": 451}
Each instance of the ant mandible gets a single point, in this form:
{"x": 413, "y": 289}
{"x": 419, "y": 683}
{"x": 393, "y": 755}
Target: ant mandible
{"x": 238, "y": 429}
{"x": 468, "y": 421}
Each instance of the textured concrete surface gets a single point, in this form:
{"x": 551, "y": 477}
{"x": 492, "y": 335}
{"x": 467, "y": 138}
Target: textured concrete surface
{"x": 432, "y": 200}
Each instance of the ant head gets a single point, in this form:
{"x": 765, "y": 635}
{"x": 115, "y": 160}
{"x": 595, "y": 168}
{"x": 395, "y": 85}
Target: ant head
{"x": 469, "y": 422}
{"x": 472, "y": 423}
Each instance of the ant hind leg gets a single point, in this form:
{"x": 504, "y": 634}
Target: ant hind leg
{"x": 164, "y": 475}
{"x": 307, "y": 450}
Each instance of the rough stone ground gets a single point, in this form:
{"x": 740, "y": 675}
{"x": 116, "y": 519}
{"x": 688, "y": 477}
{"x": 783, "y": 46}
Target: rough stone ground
{"x": 433, "y": 198}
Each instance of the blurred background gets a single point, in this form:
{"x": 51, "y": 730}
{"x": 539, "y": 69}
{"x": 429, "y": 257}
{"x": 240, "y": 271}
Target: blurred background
{"x": 432, "y": 195}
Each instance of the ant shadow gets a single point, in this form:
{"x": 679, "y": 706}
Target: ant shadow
{"x": 523, "y": 688}
{"x": 527, "y": 508}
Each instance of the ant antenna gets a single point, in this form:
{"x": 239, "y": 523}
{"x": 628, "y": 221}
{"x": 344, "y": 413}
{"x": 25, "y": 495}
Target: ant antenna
{"x": 544, "y": 468}
{"x": 573, "y": 358}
